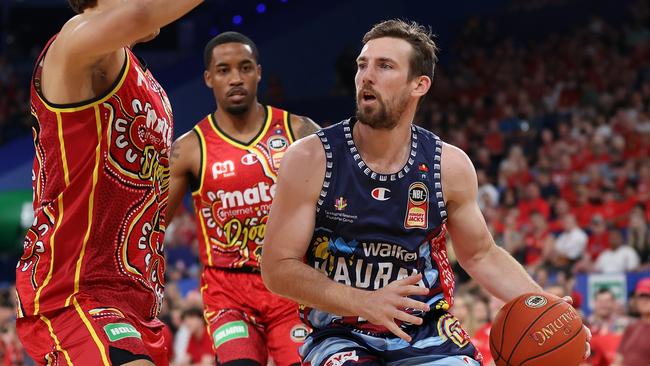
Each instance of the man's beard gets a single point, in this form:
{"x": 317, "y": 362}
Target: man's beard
{"x": 238, "y": 110}
{"x": 383, "y": 117}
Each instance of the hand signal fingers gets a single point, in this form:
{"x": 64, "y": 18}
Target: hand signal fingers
{"x": 414, "y": 304}
{"x": 397, "y": 330}
{"x": 407, "y": 318}
{"x": 410, "y": 280}
{"x": 413, "y": 290}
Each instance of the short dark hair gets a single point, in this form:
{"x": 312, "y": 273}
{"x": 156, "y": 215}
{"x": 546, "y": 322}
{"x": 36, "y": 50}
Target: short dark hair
{"x": 80, "y": 5}
{"x": 228, "y": 37}
{"x": 604, "y": 290}
{"x": 192, "y": 312}
{"x": 423, "y": 59}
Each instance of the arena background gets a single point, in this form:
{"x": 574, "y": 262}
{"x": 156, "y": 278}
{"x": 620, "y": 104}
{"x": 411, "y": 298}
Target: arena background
{"x": 550, "y": 99}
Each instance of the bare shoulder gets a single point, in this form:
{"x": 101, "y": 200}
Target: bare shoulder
{"x": 308, "y": 150}
{"x": 302, "y": 126}
{"x": 458, "y": 174}
{"x": 303, "y": 168}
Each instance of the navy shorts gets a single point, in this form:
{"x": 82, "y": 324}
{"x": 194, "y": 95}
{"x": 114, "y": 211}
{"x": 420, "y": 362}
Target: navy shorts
{"x": 438, "y": 341}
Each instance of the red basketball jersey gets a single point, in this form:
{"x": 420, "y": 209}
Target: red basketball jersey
{"x": 100, "y": 179}
{"x": 235, "y": 189}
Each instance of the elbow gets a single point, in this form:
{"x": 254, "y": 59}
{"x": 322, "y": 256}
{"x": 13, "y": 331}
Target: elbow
{"x": 269, "y": 277}
{"x": 141, "y": 15}
{"x": 474, "y": 259}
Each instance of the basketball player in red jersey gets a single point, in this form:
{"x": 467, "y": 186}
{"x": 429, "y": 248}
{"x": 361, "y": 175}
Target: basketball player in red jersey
{"x": 230, "y": 162}
{"x": 90, "y": 280}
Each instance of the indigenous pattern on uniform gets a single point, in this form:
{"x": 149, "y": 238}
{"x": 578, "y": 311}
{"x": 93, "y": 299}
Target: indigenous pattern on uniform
{"x": 372, "y": 229}
{"x": 100, "y": 179}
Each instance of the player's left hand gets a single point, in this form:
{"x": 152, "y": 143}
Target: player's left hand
{"x": 569, "y": 299}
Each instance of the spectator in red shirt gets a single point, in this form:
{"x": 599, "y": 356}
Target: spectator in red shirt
{"x": 538, "y": 240}
{"x": 481, "y": 338}
{"x": 607, "y": 326}
{"x": 634, "y": 349}
{"x": 533, "y": 201}
{"x": 198, "y": 351}
{"x": 598, "y": 238}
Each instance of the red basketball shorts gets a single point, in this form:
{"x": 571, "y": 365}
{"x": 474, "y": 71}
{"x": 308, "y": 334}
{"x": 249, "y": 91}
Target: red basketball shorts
{"x": 247, "y": 321}
{"x": 85, "y": 334}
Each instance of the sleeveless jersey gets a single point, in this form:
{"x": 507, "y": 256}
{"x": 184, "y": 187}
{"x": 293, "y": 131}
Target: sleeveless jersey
{"x": 100, "y": 179}
{"x": 235, "y": 189}
{"x": 372, "y": 229}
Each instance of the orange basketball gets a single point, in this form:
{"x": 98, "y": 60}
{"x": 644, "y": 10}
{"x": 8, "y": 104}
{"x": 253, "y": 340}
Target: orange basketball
{"x": 537, "y": 330}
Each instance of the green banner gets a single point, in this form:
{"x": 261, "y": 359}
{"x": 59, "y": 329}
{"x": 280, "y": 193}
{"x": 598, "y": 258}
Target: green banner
{"x": 16, "y": 217}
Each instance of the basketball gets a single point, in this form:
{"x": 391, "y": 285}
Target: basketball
{"x": 537, "y": 330}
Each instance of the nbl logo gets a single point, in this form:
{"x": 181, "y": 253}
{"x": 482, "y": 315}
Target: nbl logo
{"x": 536, "y": 301}
{"x": 278, "y": 143}
{"x": 418, "y": 194}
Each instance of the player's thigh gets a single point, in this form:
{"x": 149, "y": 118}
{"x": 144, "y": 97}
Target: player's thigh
{"x": 284, "y": 338}
{"x": 236, "y": 340}
{"x": 100, "y": 336}
{"x": 139, "y": 363}
{"x": 324, "y": 349}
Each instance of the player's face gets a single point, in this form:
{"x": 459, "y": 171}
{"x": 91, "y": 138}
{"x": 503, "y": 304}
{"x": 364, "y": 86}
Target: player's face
{"x": 382, "y": 84}
{"x": 233, "y": 77}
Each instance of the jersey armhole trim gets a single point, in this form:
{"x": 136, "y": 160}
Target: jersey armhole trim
{"x": 287, "y": 126}
{"x": 197, "y": 185}
{"x": 86, "y": 104}
{"x": 329, "y": 165}
{"x": 437, "y": 180}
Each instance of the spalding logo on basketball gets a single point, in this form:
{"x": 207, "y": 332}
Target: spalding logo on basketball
{"x": 537, "y": 329}
{"x": 536, "y": 301}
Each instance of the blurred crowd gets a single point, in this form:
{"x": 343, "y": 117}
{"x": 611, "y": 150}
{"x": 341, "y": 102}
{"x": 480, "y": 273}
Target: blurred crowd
{"x": 559, "y": 131}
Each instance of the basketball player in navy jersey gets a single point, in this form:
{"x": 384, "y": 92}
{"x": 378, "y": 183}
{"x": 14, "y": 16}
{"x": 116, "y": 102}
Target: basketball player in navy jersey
{"x": 357, "y": 228}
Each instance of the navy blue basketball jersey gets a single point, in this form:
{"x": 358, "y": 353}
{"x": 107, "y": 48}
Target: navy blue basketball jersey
{"x": 372, "y": 229}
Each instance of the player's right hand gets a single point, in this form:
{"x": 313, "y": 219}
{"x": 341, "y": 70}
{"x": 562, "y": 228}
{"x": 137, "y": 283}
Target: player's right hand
{"x": 388, "y": 304}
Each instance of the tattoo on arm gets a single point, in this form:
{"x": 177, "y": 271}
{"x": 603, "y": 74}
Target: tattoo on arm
{"x": 306, "y": 127}
{"x": 175, "y": 153}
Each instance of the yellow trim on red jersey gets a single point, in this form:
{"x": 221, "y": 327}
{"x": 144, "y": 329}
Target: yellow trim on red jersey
{"x": 93, "y": 334}
{"x": 64, "y": 159}
{"x": 287, "y": 127}
{"x": 117, "y": 87}
{"x": 49, "y": 273}
{"x": 265, "y": 129}
{"x": 204, "y": 156}
{"x": 91, "y": 204}
{"x": 199, "y": 191}
{"x": 56, "y": 339}
{"x": 38, "y": 177}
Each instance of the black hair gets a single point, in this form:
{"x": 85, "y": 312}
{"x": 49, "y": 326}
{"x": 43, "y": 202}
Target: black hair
{"x": 228, "y": 37}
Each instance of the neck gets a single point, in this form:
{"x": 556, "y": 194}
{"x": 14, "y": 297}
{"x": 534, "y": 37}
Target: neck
{"x": 244, "y": 124}
{"x": 384, "y": 151}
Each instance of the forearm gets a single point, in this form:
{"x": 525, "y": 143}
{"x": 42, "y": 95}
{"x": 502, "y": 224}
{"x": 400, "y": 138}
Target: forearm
{"x": 500, "y": 274}
{"x": 296, "y": 280}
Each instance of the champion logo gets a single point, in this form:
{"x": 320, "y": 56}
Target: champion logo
{"x": 249, "y": 159}
{"x": 381, "y": 194}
